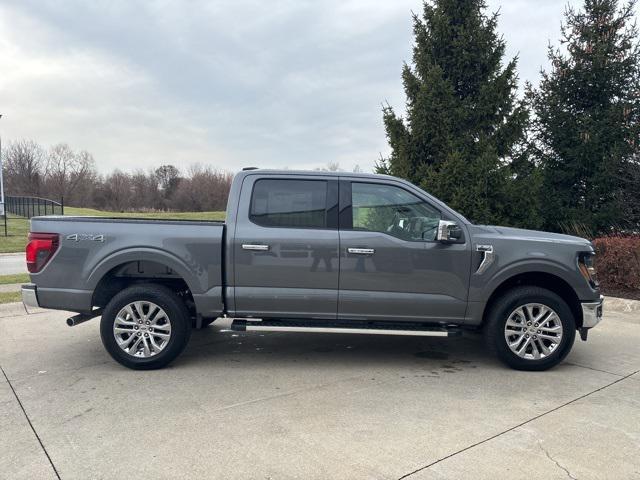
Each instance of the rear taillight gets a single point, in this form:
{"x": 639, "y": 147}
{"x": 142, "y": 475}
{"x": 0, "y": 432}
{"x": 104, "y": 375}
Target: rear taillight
{"x": 40, "y": 249}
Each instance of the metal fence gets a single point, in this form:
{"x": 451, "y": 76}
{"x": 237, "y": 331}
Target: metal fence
{"x": 32, "y": 206}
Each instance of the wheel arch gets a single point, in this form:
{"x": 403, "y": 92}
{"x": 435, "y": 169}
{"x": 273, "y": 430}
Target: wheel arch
{"x": 151, "y": 255}
{"x": 540, "y": 279}
{"x": 127, "y": 268}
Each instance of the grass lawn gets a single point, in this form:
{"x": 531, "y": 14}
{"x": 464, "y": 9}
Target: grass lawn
{"x": 18, "y": 227}
{"x": 17, "y": 278}
{"x": 10, "y": 297}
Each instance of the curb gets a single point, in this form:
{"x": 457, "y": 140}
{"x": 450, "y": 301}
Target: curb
{"x": 10, "y": 287}
{"x": 12, "y": 309}
{"x": 621, "y": 305}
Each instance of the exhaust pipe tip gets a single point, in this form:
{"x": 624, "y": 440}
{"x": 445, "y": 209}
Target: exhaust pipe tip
{"x": 83, "y": 317}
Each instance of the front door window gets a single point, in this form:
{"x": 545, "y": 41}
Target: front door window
{"x": 389, "y": 209}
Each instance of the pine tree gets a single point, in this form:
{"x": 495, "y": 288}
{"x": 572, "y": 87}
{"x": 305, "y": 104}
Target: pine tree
{"x": 588, "y": 121}
{"x": 463, "y": 137}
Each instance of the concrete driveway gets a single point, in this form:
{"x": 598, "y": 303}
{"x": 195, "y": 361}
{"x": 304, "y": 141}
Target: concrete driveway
{"x": 314, "y": 406}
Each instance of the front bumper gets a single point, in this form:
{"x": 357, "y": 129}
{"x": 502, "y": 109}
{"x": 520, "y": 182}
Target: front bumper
{"x": 592, "y": 313}
{"x": 30, "y": 296}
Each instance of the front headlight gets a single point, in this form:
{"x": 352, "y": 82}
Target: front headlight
{"x": 587, "y": 268}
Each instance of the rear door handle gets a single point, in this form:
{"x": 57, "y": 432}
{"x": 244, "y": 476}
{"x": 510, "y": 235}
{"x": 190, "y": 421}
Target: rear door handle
{"x": 361, "y": 251}
{"x": 257, "y": 248}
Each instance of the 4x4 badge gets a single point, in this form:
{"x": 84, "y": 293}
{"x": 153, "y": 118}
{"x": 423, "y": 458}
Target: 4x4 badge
{"x": 79, "y": 237}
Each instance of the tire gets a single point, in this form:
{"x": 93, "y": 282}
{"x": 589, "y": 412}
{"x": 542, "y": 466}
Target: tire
{"x": 154, "y": 347}
{"x": 207, "y": 321}
{"x": 520, "y": 307}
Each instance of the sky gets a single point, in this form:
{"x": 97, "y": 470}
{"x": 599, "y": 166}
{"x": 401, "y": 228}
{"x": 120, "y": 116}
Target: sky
{"x": 274, "y": 84}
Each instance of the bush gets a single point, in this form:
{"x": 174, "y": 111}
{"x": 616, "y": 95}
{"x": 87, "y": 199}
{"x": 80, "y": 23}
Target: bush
{"x": 618, "y": 264}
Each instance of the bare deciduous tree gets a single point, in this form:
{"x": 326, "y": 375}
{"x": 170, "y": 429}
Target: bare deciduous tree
{"x": 204, "y": 189}
{"x": 330, "y": 167}
{"x": 146, "y": 191}
{"x": 63, "y": 173}
{"x": 118, "y": 191}
{"x": 24, "y": 161}
{"x": 66, "y": 170}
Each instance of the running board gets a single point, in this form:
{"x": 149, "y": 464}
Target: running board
{"x": 370, "y": 328}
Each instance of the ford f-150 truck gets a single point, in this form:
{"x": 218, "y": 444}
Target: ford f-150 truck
{"x": 316, "y": 252}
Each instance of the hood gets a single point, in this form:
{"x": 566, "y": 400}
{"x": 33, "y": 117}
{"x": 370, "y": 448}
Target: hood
{"x": 531, "y": 235}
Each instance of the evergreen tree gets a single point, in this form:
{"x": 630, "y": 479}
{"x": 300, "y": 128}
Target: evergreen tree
{"x": 588, "y": 121}
{"x": 463, "y": 137}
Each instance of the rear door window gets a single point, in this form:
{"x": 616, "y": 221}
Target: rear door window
{"x": 289, "y": 203}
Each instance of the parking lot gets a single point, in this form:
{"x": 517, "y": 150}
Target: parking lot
{"x": 314, "y": 406}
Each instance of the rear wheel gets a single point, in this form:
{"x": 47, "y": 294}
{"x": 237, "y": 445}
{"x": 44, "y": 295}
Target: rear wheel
{"x": 530, "y": 328}
{"x": 145, "y": 326}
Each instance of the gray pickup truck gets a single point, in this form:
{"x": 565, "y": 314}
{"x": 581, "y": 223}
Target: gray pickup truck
{"x": 316, "y": 252}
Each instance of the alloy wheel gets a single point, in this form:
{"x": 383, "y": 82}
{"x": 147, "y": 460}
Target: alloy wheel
{"x": 533, "y": 331}
{"x": 142, "y": 329}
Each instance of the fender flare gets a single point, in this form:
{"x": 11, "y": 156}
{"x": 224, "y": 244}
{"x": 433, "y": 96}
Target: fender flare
{"x": 148, "y": 254}
{"x": 483, "y": 294}
{"x": 538, "y": 265}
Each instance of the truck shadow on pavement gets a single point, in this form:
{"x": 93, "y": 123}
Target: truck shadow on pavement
{"x": 215, "y": 344}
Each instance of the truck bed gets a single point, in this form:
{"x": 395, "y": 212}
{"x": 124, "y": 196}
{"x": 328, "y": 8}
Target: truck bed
{"x": 102, "y": 249}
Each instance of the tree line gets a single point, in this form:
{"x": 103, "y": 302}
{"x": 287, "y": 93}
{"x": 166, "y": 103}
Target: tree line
{"x": 565, "y": 156}
{"x": 61, "y": 173}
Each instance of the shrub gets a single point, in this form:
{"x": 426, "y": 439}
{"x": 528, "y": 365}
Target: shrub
{"x": 618, "y": 263}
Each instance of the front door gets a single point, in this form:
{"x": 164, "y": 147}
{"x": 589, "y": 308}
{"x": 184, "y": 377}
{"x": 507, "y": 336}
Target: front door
{"x": 391, "y": 266}
{"x": 285, "y": 247}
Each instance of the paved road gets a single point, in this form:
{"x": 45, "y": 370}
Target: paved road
{"x": 11, "y": 263}
{"x": 315, "y": 406}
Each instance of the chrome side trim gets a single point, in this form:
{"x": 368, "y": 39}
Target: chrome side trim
{"x": 592, "y": 313}
{"x": 29, "y": 296}
{"x": 487, "y": 258}
{"x": 368, "y": 331}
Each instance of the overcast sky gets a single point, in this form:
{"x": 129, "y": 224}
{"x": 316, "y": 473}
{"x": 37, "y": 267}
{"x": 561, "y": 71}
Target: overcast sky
{"x": 288, "y": 83}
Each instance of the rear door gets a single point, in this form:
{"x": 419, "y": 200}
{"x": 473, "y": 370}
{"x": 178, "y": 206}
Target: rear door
{"x": 391, "y": 266}
{"x": 285, "y": 247}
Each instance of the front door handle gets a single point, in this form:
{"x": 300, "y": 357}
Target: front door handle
{"x": 257, "y": 248}
{"x": 361, "y": 251}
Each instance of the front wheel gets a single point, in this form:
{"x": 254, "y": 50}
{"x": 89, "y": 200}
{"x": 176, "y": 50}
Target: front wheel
{"x": 530, "y": 328}
{"x": 145, "y": 326}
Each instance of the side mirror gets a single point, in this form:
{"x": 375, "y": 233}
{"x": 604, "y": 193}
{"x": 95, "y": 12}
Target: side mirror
{"x": 448, "y": 231}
